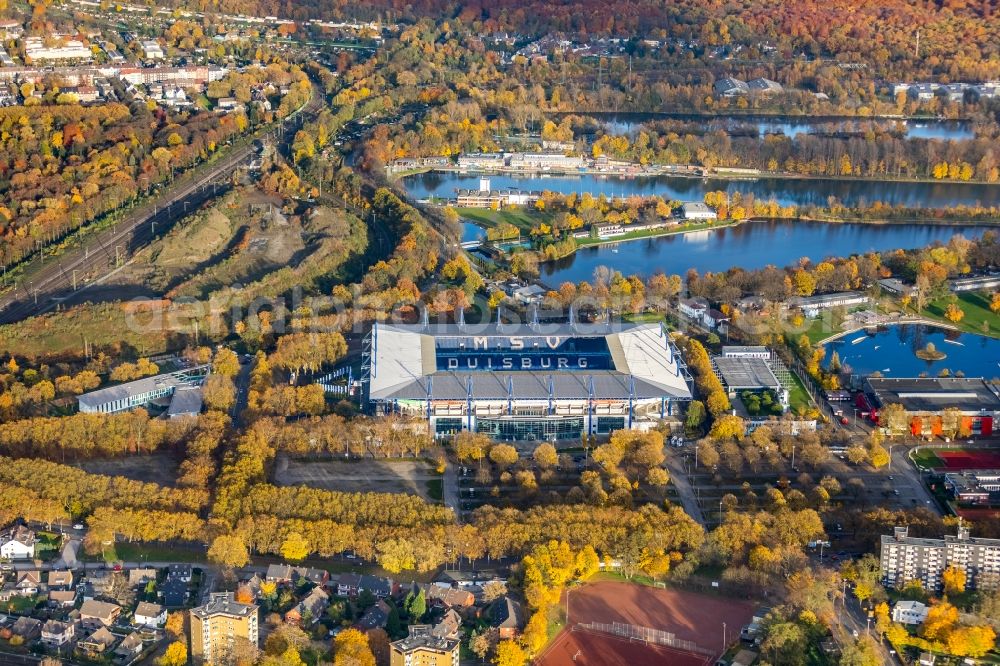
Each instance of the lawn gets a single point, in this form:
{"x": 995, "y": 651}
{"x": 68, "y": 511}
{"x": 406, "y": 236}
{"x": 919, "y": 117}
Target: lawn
{"x": 435, "y": 489}
{"x": 976, "y": 306}
{"x": 798, "y": 399}
{"x": 522, "y": 218}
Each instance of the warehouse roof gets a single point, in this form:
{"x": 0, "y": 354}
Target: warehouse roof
{"x": 933, "y": 394}
{"x": 738, "y": 372}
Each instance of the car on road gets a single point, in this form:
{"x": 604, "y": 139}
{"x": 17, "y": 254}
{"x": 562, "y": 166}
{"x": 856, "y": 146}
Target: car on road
{"x": 78, "y": 526}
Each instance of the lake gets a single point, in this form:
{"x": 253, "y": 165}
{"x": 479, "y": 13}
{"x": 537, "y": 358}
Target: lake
{"x": 941, "y": 129}
{"x": 786, "y": 191}
{"x": 891, "y": 351}
{"x": 750, "y": 245}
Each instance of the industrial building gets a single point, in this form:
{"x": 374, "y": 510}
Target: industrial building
{"x": 926, "y": 398}
{"x": 517, "y": 382}
{"x": 904, "y": 558}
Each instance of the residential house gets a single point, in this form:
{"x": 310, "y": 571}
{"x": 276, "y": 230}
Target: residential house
{"x": 94, "y": 614}
{"x": 228, "y": 104}
{"x": 60, "y": 580}
{"x": 62, "y": 598}
{"x": 375, "y": 617}
{"x": 714, "y": 319}
{"x": 448, "y": 626}
{"x": 130, "y": 647}
{"x": 149, "y": 615}
{"x": 56, "y": 634}
{"x": 253, "y": 584}
{"x": 174, "y": 592}
{"x": 104, "y": 582}
{"x": 451, "y": 597}
{"x": 378, "y": 586}
{"x": 507, "y": 617}
{"x": 909, "y": 612}
{"x": 309, "y": 611}
{"x": 314, "y": 576}
{"x": 97, "y": 643}
{"x": 180, "y": 571}
{"x": 18, "y": 544}
{"x": 279, "y": 573}
{"x": 139, "y": 577}
{"x": 692, "y": 309}
{"x": 28, "y": 583}
{"x": 27, "y": 628}
{"x": 348, "y": 585}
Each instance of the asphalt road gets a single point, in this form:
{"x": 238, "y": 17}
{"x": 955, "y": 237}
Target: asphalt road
{"x": 54, "y": 281}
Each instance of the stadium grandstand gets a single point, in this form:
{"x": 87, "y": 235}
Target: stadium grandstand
{"x": 517, "y": 382}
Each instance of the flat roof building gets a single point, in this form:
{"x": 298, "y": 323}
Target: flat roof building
{"x": 977, "y": 400}
{"x": 696, "y": 210}
{"x": 423, "y": 648}
{"x": 811, "y": 305}
{"x": 904, "y": 558}
{"x": 142, "y": 391}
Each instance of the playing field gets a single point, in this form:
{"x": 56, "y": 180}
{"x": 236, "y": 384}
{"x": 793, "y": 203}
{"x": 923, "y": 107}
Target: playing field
{"x": 588, "y": 649}
{"x": 687, "y": 615}
{"x": 959, "y": 458}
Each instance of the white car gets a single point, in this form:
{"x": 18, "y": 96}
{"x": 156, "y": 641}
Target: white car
{"x": 78, "y": 526}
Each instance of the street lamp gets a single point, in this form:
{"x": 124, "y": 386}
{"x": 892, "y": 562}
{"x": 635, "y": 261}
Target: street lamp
{"x": 723, "y": 635}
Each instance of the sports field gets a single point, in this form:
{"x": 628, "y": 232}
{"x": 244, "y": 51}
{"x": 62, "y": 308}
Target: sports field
{"x": 689, "y": 616}
{"x": 958, "y": 458}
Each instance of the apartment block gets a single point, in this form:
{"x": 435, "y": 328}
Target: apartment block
{"x": 905, "y": 558}
{"x": 218, "y": 627}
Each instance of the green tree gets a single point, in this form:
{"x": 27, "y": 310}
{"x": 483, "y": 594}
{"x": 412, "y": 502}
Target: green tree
{"x": 415, "y": 605}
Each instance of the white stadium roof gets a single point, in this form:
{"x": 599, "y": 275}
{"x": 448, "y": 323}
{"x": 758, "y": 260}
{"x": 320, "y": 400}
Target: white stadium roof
{"x": 405, "y": 365}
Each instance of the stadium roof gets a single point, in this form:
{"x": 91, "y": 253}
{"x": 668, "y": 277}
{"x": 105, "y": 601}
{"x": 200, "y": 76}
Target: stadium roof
{"x": 933, "y": 394}
{"x": 738, "y": 372}
{"x": 405, "y": 365}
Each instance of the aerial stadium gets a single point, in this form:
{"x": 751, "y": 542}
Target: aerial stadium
{"x": 548, "y": 382}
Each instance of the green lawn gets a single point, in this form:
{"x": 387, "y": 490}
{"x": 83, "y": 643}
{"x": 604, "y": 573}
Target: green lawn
{"x": 797, "y": 396}
{"x": 138, "y": 552}
{"x": 435, "y": 489}
{"x": 522, "y": 218}
{"x": 977, "y": 319}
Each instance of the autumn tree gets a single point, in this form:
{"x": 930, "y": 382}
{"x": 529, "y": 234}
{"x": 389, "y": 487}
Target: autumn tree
{"x": 350, "y": 648}
{"x": 954, "y": 580}
{"x": 176, "y": 654}
{"x": 229, "y": 550}
{"x": 509, "y": 653}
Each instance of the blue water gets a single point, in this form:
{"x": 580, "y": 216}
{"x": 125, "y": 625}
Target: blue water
{"x": 786, "y": 191}
{"x": 751, "y": 245}
{"x": 892, "y": 352}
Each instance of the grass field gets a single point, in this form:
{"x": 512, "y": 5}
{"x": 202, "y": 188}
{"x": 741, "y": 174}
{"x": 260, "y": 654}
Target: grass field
{"x": 976, "y": 306}
{"x": 523, "y": 219}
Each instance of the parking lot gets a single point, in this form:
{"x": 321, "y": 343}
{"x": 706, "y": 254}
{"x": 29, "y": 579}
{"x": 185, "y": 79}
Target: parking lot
{"x": 354, "y": 476}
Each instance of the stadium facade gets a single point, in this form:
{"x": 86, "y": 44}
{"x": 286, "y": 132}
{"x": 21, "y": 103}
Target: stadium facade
{"x": 541, "y": 382}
